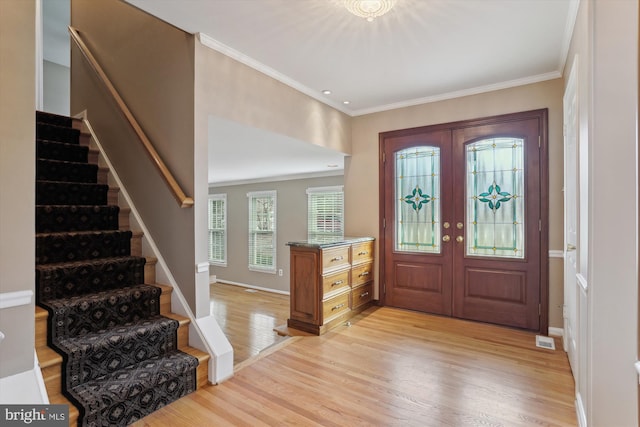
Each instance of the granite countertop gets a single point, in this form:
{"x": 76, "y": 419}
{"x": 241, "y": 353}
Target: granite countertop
{"x": 329, "y": 243}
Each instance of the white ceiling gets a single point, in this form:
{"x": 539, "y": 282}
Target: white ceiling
{"x": 421, "y": 51}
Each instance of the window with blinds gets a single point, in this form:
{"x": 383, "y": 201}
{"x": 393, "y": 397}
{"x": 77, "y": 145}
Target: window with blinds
{"x": 218, "y": 229}
{"x": 262, "y": 231}
{"x": 325, "y": 213}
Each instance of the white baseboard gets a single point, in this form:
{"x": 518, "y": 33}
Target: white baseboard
{"x": 24, "y": 388}
{"x": 259, "y": 288}
{"x": 556, "y": 332}
{"x": 580, "y": 412}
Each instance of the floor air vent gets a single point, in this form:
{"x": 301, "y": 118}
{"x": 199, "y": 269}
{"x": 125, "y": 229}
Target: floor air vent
{"x": 545, "y": 342}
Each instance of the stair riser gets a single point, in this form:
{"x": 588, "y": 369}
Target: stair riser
{"x": 55, "y": 219}
{"x": 61, "y": 171}
{"x": 55, "y": 193}
{"x": 59, "y": 151}
{"x": 150, "y": 271}
{"x": 55, "y": 281}
{"x": 83, "y": 246}
{"x": 57, "y": 133}
{"x": 54, "y": 119}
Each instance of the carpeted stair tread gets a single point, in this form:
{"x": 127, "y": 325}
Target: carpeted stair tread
{"x": 59, "y": 218}
{"x": 53, "y": 119}
{"x": 61, "y": 151}
{"x": 70, "y": 193}
{"x": 81, "y": 245}
{"x": 80, "y": 315}
{"x": 96, "y": 354}
{"x": 64, "y": 171}
{"x": 57, "y": 133}
{"x": 68, "y": 279}
{"x": 137, "y": 390}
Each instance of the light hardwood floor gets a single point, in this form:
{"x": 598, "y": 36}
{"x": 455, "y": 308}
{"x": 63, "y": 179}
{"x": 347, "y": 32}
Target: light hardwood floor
{"x": 247, "y": 318}
{"x": 391, "y": 368}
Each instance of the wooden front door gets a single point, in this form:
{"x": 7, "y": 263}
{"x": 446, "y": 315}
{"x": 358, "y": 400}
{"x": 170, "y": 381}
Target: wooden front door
{"x": 463, "y": 217}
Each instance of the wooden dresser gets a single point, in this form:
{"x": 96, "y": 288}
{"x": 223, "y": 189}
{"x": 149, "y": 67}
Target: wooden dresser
{"x": 330, "y": 282}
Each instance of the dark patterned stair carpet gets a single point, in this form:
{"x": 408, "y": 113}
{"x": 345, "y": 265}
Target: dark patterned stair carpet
{"x": 60, "y": 218}
{"x": 58, "y": 170}
{"x": 120, "y": 356}
{"x": 82, "y": 245}
{"x": 70, "y": 193}
{"x": 61, "y": 151}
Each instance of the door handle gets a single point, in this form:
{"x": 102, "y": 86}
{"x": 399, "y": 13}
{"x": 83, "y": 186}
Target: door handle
{"x": 446, "y": 238}
{"x": 459, "y": 239}
{"x": 570, "y": 247}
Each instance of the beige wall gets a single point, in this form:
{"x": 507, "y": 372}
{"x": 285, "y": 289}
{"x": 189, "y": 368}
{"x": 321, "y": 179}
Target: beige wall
{"x": 17, "y": 175}
{"x": 361, "y": 169}
{"x": 291, "y": 226}
{"x": 151, "y": 64}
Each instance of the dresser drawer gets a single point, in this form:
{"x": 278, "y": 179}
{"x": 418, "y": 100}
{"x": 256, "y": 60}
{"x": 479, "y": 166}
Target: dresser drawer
{"x": 361, "y": 252}
{"x": 334, "y": 258}
{"x": 361, "y": 274}
{"x": 361, "y": 295}
{"x": 335, "y": 282}
{"x": 335, "y": 306}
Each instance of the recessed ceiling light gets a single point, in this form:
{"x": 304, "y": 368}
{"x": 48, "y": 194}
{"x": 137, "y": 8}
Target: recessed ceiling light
{"x": 346, "y": 102}
{"x": 326, "y": 92}
{"x": 332, "y": 166}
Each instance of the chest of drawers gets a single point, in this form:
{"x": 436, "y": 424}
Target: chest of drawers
{"x": 329, "y": 283}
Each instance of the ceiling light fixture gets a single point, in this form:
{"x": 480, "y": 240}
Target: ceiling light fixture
{"x": 369, "y": 9}
{"x": 326, "y": 92}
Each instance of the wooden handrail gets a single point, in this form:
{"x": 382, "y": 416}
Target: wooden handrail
{"x": 183, "y": 200}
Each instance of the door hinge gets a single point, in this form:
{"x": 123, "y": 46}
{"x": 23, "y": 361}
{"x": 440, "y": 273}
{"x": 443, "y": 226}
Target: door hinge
{"x": 384, "y": 157}
{"x": 539, "y": 225}
{"x": 384, "y": 223}
{"x": 384, "y": 288}
{"x": 539, "y": 309}
{"x": 539, "y": 141}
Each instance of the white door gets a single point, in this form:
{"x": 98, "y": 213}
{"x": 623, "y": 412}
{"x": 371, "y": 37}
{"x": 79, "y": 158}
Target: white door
{"x": 570, "y": 106}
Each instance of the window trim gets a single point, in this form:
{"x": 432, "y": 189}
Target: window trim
{"x": 252, "y": 267}
{"x": 223, "y": 197}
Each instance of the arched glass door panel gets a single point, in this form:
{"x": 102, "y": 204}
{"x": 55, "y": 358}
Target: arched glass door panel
{"x": 417, "y": 194}
{"x": 495, "y": 198}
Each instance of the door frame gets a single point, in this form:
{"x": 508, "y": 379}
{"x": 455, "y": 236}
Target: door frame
{"x": 542, "y": 116}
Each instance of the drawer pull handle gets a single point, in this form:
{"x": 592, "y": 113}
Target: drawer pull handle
{"x": 362, "y": 253}
{"x": 337, "y": 282}
{"x": 364, "y": 294}
{"x": 337, "y": 307}
{"x": 338, "y": 258}
{"x": 364, "y": 273}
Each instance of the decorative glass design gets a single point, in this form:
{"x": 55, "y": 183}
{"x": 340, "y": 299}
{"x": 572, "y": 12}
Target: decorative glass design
{"x": 417, "y": 195}
{"x": 495, "y": 198}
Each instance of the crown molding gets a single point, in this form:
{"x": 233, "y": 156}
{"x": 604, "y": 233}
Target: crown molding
{"x": 214, "y": 44}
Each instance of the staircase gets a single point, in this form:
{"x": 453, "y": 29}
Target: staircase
{"x": 107, "y": 342}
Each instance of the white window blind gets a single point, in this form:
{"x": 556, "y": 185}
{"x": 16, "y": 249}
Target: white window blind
{"x": 262, "y": 231}
{"x": 325, "y": 213}
{"x": 218, "y": 229}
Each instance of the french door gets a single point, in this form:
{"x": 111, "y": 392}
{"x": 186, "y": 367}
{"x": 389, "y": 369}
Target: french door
{"x": 462, "y": 209}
